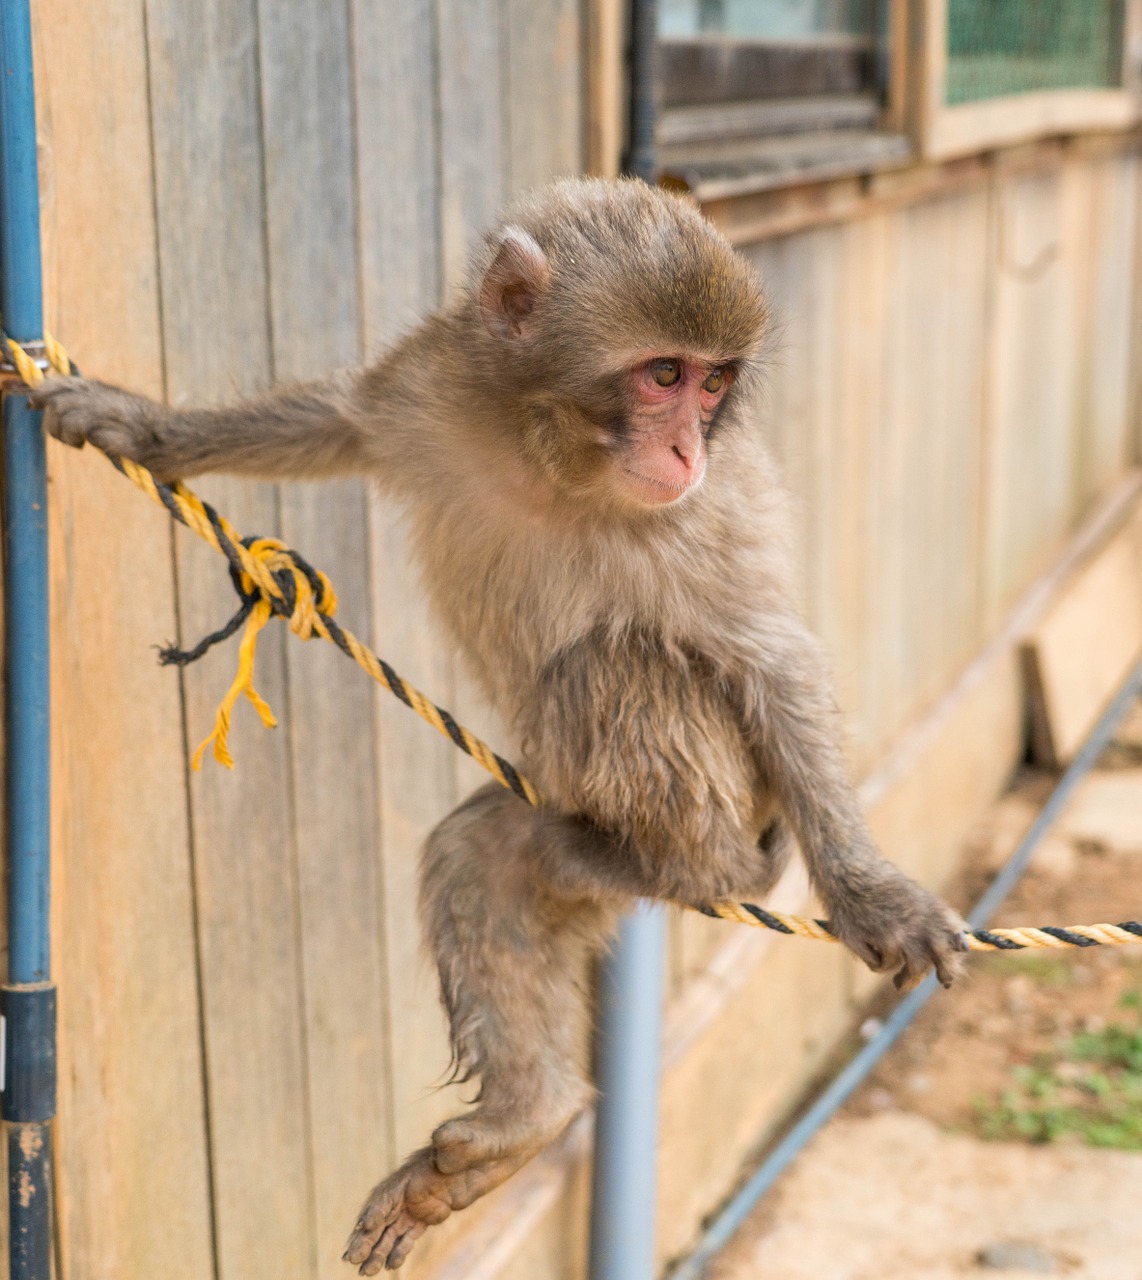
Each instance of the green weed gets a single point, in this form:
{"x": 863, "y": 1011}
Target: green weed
{"x": 1041, "y": 966}
{"x": 1090, "y": 1090}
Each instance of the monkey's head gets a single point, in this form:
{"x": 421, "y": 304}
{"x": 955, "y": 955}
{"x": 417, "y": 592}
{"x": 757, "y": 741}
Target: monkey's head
{"x": 621, "y": 327}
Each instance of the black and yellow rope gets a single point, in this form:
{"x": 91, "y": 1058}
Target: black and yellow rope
{"x": 273, "y": 581}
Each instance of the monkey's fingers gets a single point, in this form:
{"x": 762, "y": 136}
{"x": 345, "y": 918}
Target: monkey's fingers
{"x": 950, "y": 960}
{"x": 51, "y": 398}
{"x": 943, "y": 951}
{"x": 77, "y": 410}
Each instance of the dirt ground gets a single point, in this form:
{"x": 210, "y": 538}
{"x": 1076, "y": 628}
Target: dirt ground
{"x": 1003, "y": 1134}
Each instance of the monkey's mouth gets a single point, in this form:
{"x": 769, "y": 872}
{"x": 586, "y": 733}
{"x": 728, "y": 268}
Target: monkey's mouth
{"x": 662, "y": 491}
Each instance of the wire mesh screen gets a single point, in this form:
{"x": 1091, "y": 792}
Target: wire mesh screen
{"x": 1000, "y": 47}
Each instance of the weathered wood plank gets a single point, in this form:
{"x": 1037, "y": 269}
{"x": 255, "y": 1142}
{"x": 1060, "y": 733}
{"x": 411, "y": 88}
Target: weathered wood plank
{"x": 1097, "y": 615}
{"x": 802, "y": 274}
{"x": 397, "y": 151}
{"x": 1031, "y": 388}
{"x": 476, "y": 130}
{"x": 603, "y": 75}
{"x": 1134, "y": 393}
{"x": 311, "y": 218}
{"x": 934, "y": 366}
{"x": 474, "y": 136}
{"x": 544, "y": 99}
{"x": 1105, "y": 334}
{"x": 131, "y": 1070}
{"x": 211, "y": 218}
{"x": 396, "y": 45}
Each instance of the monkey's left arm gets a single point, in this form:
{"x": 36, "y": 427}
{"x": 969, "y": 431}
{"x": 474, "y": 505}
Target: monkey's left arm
{"x": 301, "y": 432}
{"x": 891, "y": 922}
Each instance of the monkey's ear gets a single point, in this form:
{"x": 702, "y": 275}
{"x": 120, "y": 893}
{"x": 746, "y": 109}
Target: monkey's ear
{"x": 513, "y": 285}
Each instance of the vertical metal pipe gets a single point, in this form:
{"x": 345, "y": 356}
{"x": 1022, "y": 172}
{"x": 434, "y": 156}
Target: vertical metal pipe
{"x": 858, "y": 1069}
{"x": 624, "y": 1187}
{"x": 642, "y": 152}
{"x": 629, "y": 1028}
{"x": 28, "y": 1005}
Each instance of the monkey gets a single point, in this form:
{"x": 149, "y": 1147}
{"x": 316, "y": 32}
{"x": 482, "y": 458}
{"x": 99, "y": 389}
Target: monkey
{"x": 602, "y": 533}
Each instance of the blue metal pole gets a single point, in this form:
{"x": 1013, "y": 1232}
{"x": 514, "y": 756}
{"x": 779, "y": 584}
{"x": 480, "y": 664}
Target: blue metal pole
{"x": 629, "y": 1025}
{"x": 28, "y": 1003}
{"x": 623, "y": 1193}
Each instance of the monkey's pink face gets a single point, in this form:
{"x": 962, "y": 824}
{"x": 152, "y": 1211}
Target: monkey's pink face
{"x": 673, "y": 405}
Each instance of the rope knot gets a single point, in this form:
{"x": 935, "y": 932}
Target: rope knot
{"x": 303, "y": 592}
{"x": 271, "y": 580}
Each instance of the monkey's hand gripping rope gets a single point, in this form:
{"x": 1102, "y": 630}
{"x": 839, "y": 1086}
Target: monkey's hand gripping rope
{"x": 271, "y": 580}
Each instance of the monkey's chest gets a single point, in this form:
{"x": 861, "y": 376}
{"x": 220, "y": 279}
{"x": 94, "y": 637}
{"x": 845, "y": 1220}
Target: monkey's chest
{"x": 644, "y": 740}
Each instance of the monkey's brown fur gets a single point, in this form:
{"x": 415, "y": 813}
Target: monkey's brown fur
{"x": 548, "y": 434}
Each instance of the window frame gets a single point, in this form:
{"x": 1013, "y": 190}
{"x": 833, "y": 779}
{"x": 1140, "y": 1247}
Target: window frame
{"x": 825, "y": 115}
{"x": 945, "y": 132}
{"x": 914, "y": 88}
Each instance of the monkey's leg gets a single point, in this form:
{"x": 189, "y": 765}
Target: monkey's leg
{"x": 511, "y": 949}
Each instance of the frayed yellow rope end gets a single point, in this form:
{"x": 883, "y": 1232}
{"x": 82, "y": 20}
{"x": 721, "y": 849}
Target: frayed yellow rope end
{"x": 243, "y": 684}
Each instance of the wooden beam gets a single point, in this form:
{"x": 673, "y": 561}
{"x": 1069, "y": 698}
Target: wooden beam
{"x": 606, "y": 92}
{"x": 1080, "y": 651}
{"x": 976, "y": 126}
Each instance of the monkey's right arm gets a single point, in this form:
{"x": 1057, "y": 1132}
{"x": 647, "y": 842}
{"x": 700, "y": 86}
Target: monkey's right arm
{"x": 302, "y": 432}
{"x": 890, "y": 921}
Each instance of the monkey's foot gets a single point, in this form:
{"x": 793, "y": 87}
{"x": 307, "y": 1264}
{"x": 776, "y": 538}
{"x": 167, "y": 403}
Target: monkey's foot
{"x": 388, "y": 1226}
{"x": 416, "y": 1197}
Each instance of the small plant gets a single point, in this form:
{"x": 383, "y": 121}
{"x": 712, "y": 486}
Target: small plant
{"x": 1040, "y": 966}
{"x": 1091, "y": 1090}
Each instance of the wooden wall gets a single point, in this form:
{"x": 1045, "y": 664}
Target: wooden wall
{"x": 950, "y": 396}
{"x": 235, "y": 193}
{"x": 242, "y": 191}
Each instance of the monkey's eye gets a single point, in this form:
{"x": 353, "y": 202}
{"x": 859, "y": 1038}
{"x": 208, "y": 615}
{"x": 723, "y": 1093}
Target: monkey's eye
{"x": 666, "y": 372}
{"x": 715, "y": 381}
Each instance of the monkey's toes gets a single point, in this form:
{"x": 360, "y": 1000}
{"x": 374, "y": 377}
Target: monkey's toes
{"x": 383, "y": 1222}
{"x": 397, "y": 1213}
{"x": 392, "y": 1246}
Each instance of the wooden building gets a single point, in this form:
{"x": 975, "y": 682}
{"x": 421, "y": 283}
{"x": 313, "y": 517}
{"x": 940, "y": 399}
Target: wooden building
{"x": 240, "y": 191}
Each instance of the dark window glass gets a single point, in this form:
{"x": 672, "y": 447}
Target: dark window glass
{"x": 763, "y": 93}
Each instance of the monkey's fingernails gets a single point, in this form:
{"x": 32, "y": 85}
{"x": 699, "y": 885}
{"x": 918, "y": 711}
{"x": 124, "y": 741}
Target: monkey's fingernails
{"x": 907, "y": 979}
{"x": 358, "y": 1249}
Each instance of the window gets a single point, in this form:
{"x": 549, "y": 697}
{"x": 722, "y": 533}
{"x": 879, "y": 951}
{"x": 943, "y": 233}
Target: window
{"x": 1001, "y": 47}
{"x": 760, "y": 93}
{"x": 993, "y": 72}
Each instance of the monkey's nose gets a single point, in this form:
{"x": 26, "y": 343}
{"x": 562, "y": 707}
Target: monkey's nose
{"x": 689, "y": 455}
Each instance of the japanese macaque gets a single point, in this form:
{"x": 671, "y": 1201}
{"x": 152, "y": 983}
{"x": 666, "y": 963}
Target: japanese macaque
{"x": 601, "y": 533}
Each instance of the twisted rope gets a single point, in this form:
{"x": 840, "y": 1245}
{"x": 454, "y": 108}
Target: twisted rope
{"x": 272, "y": 580}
